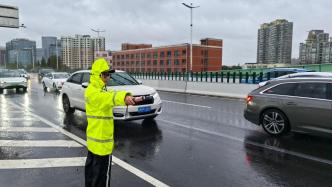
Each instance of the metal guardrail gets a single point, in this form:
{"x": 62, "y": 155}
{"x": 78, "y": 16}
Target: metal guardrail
{"x": 221, "y": 77}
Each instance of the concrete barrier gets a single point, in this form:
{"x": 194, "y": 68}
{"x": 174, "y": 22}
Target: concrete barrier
{"x": 203, "y": 88}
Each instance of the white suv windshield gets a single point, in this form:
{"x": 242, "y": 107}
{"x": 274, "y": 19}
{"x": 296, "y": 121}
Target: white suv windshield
{"x": 121, "y": 78}
{"x": 61, "y": 76}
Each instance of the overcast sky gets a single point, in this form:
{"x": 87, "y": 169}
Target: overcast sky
{"x": 164, "y": 22}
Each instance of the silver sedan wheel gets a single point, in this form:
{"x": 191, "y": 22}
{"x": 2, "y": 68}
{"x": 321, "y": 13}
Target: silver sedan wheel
{"x": 274, "y": 122}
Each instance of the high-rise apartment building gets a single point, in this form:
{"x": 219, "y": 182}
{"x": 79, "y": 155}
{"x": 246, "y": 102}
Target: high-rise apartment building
{"x": 78, "y": 52}
{"x": 99, "y": 44}
{"x": 274, "y": 44}
{"x": 317, "y": 49}
{"x": 21, "y": 52}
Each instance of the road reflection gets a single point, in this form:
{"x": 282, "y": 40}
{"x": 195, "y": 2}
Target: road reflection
{"x": 138, "y": 140}
{"x": 292, "y": 157}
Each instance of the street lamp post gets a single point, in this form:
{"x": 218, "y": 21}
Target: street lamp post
{"x": 98, "y": 40}
{"x": 57, "y": 57}
{"x": 17, "y": 58}
{"x": 191, "y": 33}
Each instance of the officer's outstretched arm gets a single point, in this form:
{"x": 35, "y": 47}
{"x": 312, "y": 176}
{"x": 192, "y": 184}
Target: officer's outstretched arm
{"x": 105, "y": 100}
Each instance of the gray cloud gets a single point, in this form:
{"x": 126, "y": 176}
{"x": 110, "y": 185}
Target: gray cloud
{"x": 166, "y": 22}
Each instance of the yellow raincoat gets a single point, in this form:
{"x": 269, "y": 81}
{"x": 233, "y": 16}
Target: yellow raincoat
{"x": 99, "y": 105}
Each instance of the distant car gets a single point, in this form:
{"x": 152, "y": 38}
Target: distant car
{"x": 299, "y": 104}
{"x": 274, "y": 73}
{"x": 73, "y": 95}
{"x": 23, "y": 73}
{"x": 54, "y": 80}
{"x": 11, "y": 79}
{"x": 42, "y": 72}
{"x": 299, "y": 75}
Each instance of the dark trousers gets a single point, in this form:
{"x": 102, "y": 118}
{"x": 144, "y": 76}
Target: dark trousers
{"x": 98, "y": 170}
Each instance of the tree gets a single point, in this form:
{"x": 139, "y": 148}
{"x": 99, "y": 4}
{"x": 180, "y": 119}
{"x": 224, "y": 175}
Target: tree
{"x": 43, "y": 63}
{"x": 231, "y": 67}
{"x": 52, "y": 62}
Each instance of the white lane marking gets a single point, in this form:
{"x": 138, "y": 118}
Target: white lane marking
{"x": 18, "y": 119}
{"x": 293, "y": 153}
{"x": 39, "y": 143}
{"x": 27, "y": 129}
{"x": 42, "y": 163}
{"x": 202, "y": 106}
{"x": 13, "y": 112}
{"x": 204, "y": 96}
{"x": 124, "y": 165}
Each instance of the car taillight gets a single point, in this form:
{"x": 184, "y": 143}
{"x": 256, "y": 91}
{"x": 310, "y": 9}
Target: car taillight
{"x": 249, "y": 99}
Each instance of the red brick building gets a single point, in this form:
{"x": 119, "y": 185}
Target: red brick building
{"x": 174, "y": 58}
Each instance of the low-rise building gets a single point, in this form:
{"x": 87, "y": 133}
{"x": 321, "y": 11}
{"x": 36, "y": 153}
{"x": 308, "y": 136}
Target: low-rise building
{"x": 207, "y": 56}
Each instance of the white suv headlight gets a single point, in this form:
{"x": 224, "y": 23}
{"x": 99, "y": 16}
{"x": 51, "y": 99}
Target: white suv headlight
{"x": 155, "y": 94}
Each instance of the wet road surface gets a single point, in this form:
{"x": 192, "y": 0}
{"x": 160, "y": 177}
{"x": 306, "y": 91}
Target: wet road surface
{"x": 197, "y": 141}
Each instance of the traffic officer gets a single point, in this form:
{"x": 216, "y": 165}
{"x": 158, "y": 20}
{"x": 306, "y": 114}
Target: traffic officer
{"x": 99, "y": 103}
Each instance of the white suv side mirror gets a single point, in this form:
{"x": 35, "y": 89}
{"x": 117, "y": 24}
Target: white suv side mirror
{"x": 85, "y": 84}
{"x": 139, "y": 81}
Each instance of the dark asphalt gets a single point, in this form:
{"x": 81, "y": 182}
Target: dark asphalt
{"x": 205, "y": 143}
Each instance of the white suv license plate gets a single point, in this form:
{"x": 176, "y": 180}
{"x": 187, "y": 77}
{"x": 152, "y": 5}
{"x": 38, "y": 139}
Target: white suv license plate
{"x": 144, "y": 109}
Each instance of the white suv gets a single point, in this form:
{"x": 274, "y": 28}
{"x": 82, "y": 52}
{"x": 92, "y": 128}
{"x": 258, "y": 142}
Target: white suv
{"x": 54, "y": 80}
{"x": 73, "y": 95}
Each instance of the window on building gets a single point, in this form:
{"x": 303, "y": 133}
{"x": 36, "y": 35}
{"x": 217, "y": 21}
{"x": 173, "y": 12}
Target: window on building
{"x": 169, "y": 53}
{"x": 149, "y": 62}
{"x": 176, "y": 61}
{"x": 162, "y": 54}
{"x": 155, "y": 55}
{"x": 155, "y": 62}
{"x": 169, "y": 62}
{"x": 161, "y": 62}
{"x": 183, "y": 61}
{"x": 176, "y": 53}
{"x": 184, "y": 52}
{"x": 132, "y": 56}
